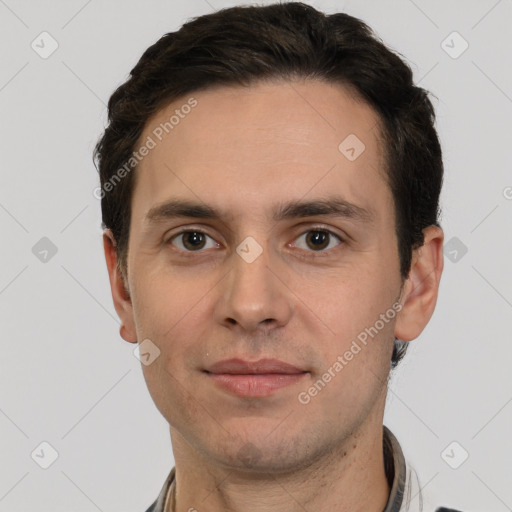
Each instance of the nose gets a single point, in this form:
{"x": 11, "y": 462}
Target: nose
{"x": 254, "y": 294}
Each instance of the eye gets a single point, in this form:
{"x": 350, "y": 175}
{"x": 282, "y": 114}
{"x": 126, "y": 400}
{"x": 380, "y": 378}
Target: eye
{"x": 192, "y": 240}
{"x": 319, "y": 240}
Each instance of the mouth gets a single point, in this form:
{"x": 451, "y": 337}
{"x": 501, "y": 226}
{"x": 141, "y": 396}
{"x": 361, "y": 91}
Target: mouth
{"x": 254, "y": 379}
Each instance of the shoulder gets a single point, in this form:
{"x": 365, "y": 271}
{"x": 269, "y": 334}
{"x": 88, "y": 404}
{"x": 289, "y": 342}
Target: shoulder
{"x": 165, "y": 496}
{"x": 152, "y": 508}
{"x": 408, "y": 492}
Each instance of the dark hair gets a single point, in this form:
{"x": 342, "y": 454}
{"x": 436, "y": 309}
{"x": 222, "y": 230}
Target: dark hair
{"x": 243, "y": 45}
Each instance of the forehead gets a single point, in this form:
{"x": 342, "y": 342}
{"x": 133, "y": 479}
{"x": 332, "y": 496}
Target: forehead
{"x": 262, "y": 144}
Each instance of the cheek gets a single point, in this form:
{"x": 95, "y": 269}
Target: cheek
{"x": 170, "y": 316}
{"x": 357, "y": 349}
{"x": 175, "y": 322}
{"x": 163, "y": 303}
{"x": 356, "y": 359}
{"x": 351, "y": 301}
{"x": 171, "y": 392}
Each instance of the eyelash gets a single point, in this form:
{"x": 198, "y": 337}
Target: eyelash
{"x": 319, "y": 253}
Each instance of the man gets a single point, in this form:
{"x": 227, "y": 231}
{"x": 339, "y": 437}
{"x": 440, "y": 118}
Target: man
{"x": 270, "y": 179}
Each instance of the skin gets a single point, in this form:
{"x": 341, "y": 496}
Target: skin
{"x": 245, "y": 151}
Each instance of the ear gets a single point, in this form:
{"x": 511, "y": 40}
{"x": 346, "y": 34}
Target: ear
{"x": 419, "y": 293}
{"x": 120, "y": 294}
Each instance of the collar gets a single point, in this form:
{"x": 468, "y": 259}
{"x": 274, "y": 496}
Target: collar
{"x": 405, "y": 494}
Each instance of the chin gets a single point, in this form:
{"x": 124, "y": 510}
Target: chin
{"x": 260, "y": 455}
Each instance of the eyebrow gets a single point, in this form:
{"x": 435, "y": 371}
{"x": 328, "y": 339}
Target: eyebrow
{"x": 331, "y": 207}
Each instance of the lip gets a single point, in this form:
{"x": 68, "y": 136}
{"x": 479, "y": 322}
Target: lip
{"x": 262, "y": 366}
{"x": 254, "y": 379}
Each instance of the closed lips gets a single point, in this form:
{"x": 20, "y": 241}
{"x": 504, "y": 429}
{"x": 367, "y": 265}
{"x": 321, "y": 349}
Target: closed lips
{"x": 260, "y": 367}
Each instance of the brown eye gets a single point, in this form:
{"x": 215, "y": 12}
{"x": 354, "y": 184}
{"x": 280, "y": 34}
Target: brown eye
{"x": 317, "y": 240}
{"x": 191, "y": 241}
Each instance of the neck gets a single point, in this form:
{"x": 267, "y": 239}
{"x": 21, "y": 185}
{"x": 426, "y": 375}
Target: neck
{"x": 350, "y": 477}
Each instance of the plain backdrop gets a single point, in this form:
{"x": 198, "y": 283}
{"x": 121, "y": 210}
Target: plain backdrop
{"x": 66, "y": 376}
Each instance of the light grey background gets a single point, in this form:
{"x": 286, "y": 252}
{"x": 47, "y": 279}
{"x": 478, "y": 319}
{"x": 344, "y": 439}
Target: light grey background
{"x": 66, "y": 376}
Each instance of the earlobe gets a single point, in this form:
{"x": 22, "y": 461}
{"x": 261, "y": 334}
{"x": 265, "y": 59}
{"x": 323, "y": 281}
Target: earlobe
{"x": 420, "y": 290}
{"x": 120, "y": 294}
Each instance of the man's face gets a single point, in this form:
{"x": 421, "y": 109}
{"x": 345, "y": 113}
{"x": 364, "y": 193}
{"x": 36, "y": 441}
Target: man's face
{"x": 318, "y": 283}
